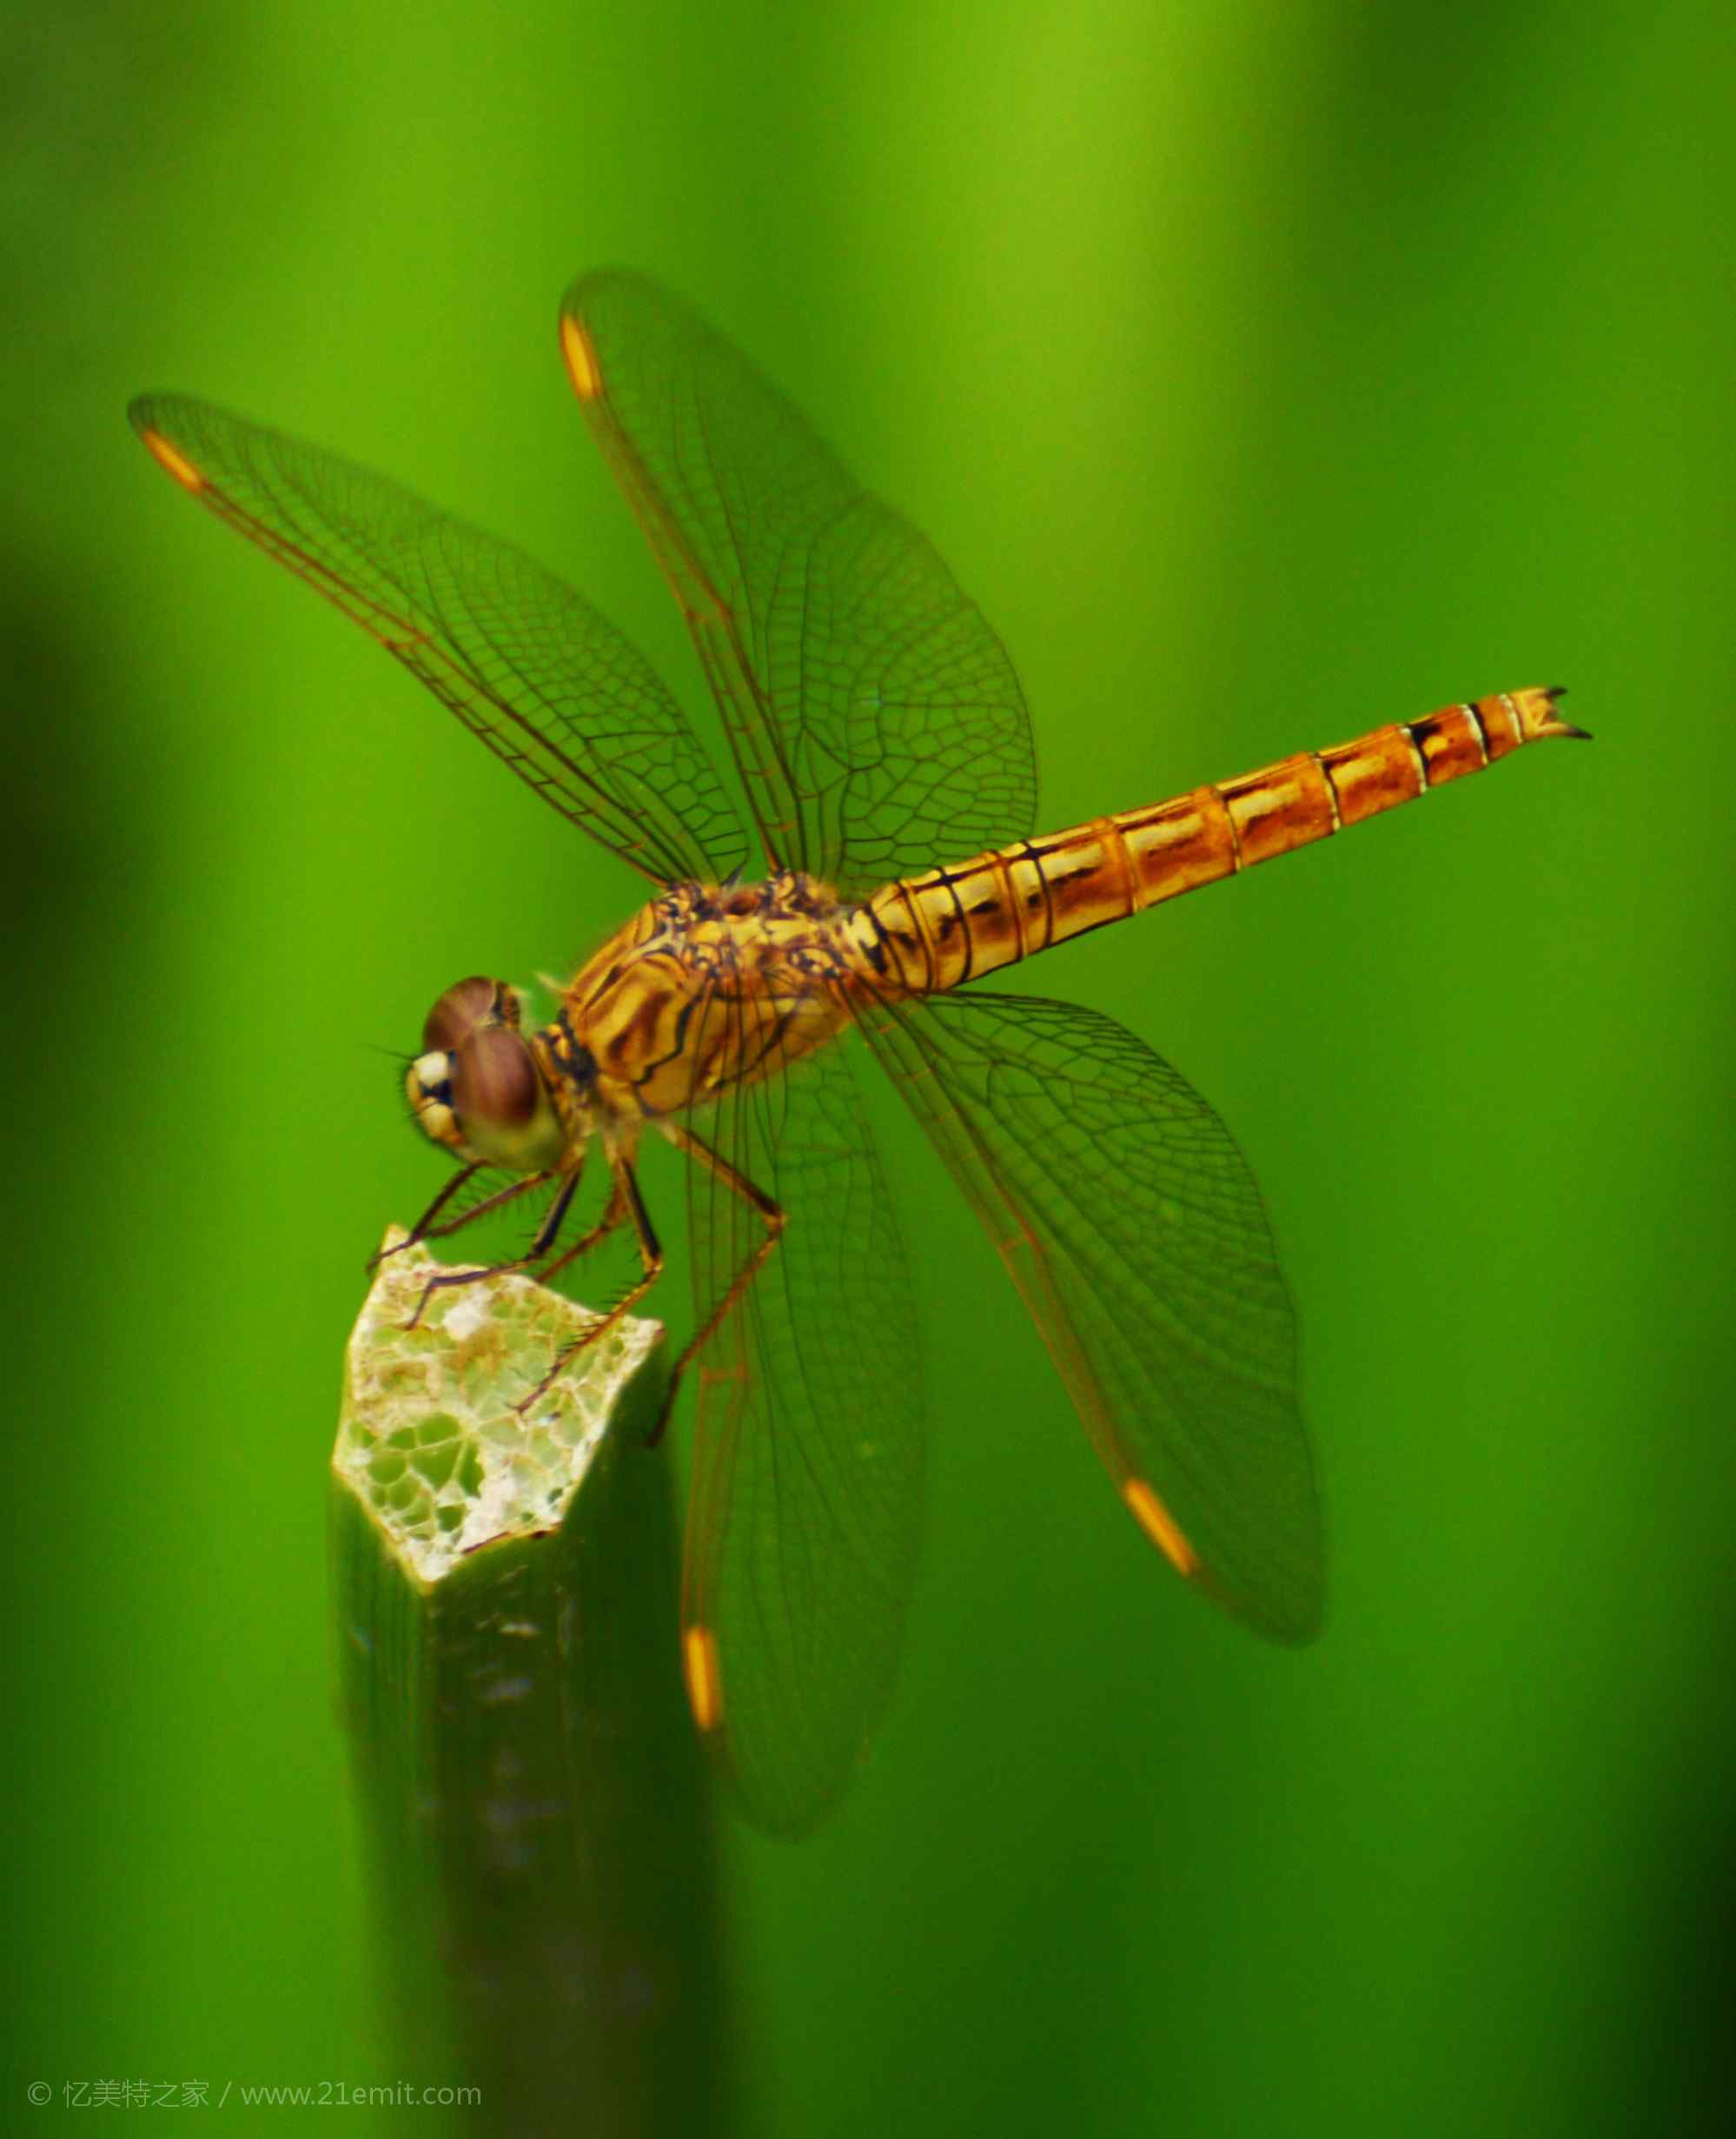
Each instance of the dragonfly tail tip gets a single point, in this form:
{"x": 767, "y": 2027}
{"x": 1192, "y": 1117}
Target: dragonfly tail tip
{"x": 1551, "y": 694}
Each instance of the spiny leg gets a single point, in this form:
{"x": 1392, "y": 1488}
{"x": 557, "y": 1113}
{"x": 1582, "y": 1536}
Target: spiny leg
{"x": 489, "y": 1203}
{"x": 625, "y": 1202}
{"x": 614, "y": 1212}
{"x": 420, "y": 1230}
{"x": 423, "y": 1231}
{"x": 774, "y": 1217}
{"x": 546, "y": 1236}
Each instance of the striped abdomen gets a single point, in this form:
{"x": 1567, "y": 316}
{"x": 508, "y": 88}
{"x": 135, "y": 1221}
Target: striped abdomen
{"x": 935, "y": 930}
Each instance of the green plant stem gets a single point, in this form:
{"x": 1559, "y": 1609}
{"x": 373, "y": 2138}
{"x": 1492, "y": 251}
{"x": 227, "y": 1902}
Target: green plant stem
{"x": 534, "y": 1817}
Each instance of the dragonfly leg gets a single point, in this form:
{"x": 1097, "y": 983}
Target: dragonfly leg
{"x": 624, "y": 1204}
{"x": 420, "y": 1231}
{"x": 614, "y": 1212}
{"x": 545, "y": 1234}
{"x": 424, "y": 1231}
{"x": 774, "y": 1218}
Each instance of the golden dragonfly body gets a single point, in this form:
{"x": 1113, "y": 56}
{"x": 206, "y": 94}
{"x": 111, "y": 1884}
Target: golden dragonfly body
{"x": 873, "y": 721}
{"x": 799, "y": 964}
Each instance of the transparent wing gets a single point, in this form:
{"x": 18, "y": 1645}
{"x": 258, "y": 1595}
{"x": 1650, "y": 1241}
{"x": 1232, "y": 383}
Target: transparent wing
{"x": 874, "y": 715}
{"x": 804, "y": 1517}
{"x": 525, "y": 664}
{"x": 1135, "y": 1233}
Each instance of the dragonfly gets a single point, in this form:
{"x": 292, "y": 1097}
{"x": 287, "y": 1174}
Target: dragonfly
{"x": 875, "y": 726}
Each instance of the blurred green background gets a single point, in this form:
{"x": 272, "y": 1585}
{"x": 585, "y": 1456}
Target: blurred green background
{"x": 1267, "y": 370}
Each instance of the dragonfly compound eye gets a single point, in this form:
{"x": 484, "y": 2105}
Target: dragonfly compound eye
{"x": 495, "y": 1084}
{"x": 497, "y": 1101}
{"x": 466, "y": 1005}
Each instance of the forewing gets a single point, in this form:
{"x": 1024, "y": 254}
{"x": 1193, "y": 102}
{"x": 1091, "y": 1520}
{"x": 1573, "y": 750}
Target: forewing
{"x": 526, "y": 664}
{"x": 1134, "y": 1231}
{"x": 806, "y": 1512}
{"x": 875, "y": 716}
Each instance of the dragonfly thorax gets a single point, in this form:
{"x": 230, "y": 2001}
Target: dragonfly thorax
{"x": 707, "y": 986}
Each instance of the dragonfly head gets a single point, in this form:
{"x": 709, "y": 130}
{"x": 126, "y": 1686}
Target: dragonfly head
{"x": 477, "y": 1088}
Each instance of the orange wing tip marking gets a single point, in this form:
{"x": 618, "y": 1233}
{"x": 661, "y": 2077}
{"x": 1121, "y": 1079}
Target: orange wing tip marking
{"x": 1159, "y": 1525}
{"x": 581, "y": 358}
{"x": 175, "y": 464}
{"x": 705, "y": 1690}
